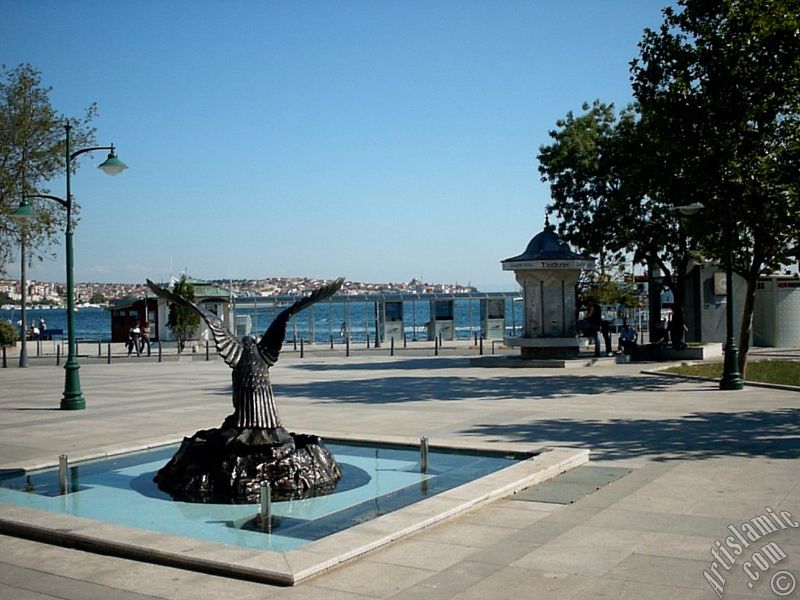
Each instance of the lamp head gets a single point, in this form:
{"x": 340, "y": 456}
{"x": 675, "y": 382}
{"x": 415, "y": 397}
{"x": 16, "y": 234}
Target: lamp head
{"x": 690, "y": 209}
{"x": 112, "y": 165}
{"x": 24, "y": 213}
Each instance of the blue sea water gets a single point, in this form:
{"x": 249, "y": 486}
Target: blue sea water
{"x": 325, "y": 319}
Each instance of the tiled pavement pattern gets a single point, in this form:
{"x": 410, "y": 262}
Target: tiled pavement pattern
{"x": 700, "y": 460}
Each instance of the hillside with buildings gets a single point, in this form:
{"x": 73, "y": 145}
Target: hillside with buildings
{"x": 52, "y": 293}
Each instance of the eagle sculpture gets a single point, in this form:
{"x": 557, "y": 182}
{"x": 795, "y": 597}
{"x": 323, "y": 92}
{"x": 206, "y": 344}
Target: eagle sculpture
{"x": 251, "y": 447}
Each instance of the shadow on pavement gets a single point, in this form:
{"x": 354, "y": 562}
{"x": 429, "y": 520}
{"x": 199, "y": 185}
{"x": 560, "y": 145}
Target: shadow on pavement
{"x": 389, "y": 390}
{"x": 408, "y": 364}
{"x": 771, "y": 434}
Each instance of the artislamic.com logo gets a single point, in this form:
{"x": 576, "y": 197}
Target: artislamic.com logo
{"x": 759, "y": 559}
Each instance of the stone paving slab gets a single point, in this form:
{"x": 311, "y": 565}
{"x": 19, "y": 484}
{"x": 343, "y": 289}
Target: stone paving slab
{"x": 701, "y": 459}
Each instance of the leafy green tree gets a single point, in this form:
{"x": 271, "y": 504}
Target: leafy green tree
{"x": 8, "y": 334}
{"x": 719, "y": 86}
{"x": 97, "y": 298}
{"x": 182, "y": 321}
{"x": 599, "y": 168}
{"x": 32, "y": 153}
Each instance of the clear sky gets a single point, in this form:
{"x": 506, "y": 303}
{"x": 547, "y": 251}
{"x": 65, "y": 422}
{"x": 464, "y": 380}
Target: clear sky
{"x": 379, "y": 140}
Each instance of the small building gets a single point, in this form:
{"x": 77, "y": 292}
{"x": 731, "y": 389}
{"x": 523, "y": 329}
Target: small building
{"x": 548, "y": 273}
{"x": 214, "y": 299}
{"x": 776, "y": 321}
{"x": 129, "y": 310}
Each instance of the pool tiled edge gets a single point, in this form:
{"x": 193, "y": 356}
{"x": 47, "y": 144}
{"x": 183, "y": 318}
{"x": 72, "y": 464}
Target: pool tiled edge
{"x": 288, "y": 568}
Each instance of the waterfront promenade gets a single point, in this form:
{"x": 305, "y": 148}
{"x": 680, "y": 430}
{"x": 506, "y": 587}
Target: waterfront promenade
{"x": 701, "y": 460}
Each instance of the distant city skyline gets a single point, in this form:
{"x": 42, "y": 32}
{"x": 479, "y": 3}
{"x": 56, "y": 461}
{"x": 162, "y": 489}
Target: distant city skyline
{"x": 379, "y": 141}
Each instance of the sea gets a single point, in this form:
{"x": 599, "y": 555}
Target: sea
{"x": 324, "y": 320}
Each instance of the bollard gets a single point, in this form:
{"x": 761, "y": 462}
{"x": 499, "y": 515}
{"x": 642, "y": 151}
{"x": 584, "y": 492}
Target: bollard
{"x": 266, "y": 507}
{"x": 480, "y": 346}
{"x": 207, "y": 350}
{"x": 368, "y": 340}
{"x": 440, "y": 339}
{"x": 331, "y": 342}
{"x": 391, "y": 349}
{"x": 109, "y": 353}
{"x": 63, "y": 463}
{"x": 435, "y": 346}
{"x": 423, "y": 454}
{"x": 159, "y": 350}
{"x": 302, "y": 353}
{"x": 347, "y": 346}
{"x": 99, "y": 348}
{"x": 405, "y": 341}
{"x": 58, "y": 355}
{"x": 5, "y": 362}
{"x": 476, "y": 338}
{"x": 294, "y": 341}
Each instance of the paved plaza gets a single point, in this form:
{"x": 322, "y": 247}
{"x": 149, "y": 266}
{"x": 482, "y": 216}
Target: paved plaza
{"x": 701, "y": 460}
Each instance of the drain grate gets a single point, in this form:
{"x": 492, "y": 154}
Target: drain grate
{"x": 573, "y": 485}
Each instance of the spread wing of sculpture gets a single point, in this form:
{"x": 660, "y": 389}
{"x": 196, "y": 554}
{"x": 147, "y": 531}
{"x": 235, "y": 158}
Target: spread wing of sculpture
{"x": 251, "y": 447}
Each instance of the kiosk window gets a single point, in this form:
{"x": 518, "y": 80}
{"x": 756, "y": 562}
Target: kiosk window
{"x": 393, "y": 311}
{"x": 443, "y": 309}
{"x": 496, "y": 308}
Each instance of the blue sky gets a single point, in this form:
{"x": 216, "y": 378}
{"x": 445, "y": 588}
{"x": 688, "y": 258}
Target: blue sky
{"x": 379, "y": 140}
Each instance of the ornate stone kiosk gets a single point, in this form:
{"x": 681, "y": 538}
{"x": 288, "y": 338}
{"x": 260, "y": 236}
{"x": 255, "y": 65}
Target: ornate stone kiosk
{"x": 548, "y": 271}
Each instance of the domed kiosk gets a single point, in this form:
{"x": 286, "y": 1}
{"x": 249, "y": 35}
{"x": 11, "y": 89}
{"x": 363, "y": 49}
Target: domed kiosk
{"x": 548, "y": 272}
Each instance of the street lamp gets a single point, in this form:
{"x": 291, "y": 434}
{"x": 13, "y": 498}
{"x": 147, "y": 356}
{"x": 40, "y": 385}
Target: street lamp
{"x": 73, "y": 396}
{"x": 22, "y": 216}
{"x": 731, "y": 377}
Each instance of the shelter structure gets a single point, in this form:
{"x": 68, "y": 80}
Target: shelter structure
{"x": 548, "y": 273}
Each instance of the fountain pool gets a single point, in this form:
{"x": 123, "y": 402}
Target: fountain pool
{"x": 113, "y": 507}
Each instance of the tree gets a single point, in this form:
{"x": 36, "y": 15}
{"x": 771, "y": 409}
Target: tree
{"x": 31, "y": 153}
{"x": 600, "y": 168}
{"x": 720, "y": 84}
{"x": 8, "y": 334}
{"x": 97, "y": 298}
{"x": 182, "y": 321}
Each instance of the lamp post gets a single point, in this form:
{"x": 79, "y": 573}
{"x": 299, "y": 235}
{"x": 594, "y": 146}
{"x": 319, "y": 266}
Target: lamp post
{"x": 731, "y": 377}
{"x": 73, "y": 396}
{"x": 22, "y": 216}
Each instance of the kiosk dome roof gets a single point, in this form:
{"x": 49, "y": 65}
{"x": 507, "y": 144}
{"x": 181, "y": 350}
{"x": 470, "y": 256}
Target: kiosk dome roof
{"x": 546, "y": 245}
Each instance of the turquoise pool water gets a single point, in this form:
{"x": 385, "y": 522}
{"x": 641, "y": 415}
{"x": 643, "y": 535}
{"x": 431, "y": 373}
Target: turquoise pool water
{"x": 376, "y": 481}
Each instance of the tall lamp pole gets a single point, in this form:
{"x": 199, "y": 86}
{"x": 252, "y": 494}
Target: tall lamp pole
{"x": 731, "y": 377}
{"x": 22, "y": 216}
{"x": 73, "y": 396}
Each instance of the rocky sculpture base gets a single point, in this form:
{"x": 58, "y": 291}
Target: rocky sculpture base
{"x": 229, "y": 464}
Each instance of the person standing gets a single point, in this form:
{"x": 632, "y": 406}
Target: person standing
{"x": 145, "y": 337}
{"x": 134, "y": 339}
{"x": 594, "y": 322}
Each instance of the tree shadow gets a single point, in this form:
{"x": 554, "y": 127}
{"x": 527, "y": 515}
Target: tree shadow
{"x": 391, "y": 390}
{"x": 770, "y": 434}
{"x": 406, "y": 364}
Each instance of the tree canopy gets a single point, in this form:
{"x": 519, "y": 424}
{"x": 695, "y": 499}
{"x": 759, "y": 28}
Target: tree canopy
{"x": 32, "y": 153}
{"x": 718, "y": 86}
{"x": 183, "y": 321}
{"x": 716, "y": 121}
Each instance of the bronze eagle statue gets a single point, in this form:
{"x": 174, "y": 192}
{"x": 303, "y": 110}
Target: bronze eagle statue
{"x": 252, "y": 445}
